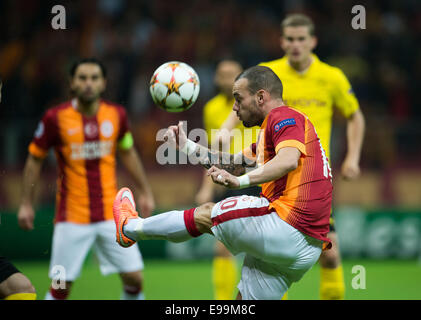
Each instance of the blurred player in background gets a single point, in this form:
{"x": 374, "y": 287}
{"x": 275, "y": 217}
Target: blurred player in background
{"x": 218, "y": 115}
{"x": 85, "y": 133}
{"x": 14, "y": 285}
{"x": 315, "y": 88}
{"x": 281, "y": 233}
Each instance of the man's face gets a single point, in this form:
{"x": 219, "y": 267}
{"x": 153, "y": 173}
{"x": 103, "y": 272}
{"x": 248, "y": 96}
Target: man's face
{"x": 225, "y": 76}
{"x": 245, "y": 104}
{"x": 88, "y": 82}
{"x": 298, "y": 43}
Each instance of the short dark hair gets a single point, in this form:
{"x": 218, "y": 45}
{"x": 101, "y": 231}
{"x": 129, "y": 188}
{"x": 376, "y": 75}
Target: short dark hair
{"x": 260, "y": 77}
{"x": 77, "y": 63}
{"x": 298, "y": 20}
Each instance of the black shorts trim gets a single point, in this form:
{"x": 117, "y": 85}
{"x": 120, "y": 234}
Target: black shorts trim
{"x": 6, "y": 269}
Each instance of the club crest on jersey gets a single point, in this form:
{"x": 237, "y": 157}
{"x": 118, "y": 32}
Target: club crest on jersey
{"x": 91, "y": 130}
{"x": 107, "y": 128}
{"x": 283, "y": 123}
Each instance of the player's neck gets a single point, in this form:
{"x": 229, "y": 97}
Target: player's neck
{"x": 301, "y": 66}
{"x": 272, "y": 105}
{"x": 87, "y": 108}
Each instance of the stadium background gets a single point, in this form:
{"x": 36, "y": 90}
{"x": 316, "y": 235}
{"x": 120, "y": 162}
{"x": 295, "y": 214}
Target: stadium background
{"x": 378, "y": 216}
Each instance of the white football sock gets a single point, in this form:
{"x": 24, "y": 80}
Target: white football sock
{"x": 165, "y": 226}
{"x": 49, "y": 296}
{"x": 129, "y": 296}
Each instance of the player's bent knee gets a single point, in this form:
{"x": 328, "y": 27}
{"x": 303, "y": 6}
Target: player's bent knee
{"x": 19, "y": 283}
{"x": 202, "y": 217}
{"x": 27, "y": 287}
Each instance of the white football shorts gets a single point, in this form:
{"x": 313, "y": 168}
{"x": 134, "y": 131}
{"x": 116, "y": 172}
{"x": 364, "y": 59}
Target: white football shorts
{"x": 72, "y": 242}
{"x": 277, "y": 254}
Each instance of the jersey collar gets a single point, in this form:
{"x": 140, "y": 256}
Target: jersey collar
{"x": 74, "y": 105}
{"x": 314, "y": 61}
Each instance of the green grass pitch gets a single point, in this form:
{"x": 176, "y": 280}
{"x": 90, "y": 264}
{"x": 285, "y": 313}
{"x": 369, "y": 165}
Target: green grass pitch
{"x": 191, "y": 280}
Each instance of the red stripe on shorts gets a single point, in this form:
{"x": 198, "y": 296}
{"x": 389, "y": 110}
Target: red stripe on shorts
{"x": 240, "y": 213}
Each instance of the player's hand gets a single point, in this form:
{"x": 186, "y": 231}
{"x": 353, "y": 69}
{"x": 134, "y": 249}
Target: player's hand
{"x": 182, "y": 136}
{"x": 171, "y": 136}
{"x": 176, "y": 136}
{"x": 222, "y": 177}
{"x": 26, "y": 217}
{"x": 350, "y": 169}
{"x": 146, "y": 204}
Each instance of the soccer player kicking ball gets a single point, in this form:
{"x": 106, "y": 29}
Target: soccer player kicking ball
{"x": 316, "y": 88}
{"x": 218, "y": 115}
{"x": 282, "y": 232}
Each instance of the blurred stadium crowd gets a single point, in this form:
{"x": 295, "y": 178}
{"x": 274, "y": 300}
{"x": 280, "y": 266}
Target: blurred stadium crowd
{"x": 383, "y": 63}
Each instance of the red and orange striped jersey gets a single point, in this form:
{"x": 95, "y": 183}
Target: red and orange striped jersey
{"x": 303, "y": 197}
{"x": 85, "y": 148}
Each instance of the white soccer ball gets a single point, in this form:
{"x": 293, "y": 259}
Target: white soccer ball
{"x": 174, "y": 86}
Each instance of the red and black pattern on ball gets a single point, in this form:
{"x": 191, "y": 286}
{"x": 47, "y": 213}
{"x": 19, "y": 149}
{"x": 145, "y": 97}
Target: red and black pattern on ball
{"x": 193, "y": 80}
{"x": 154, "y": 80}
{"x": 173, "y": 66}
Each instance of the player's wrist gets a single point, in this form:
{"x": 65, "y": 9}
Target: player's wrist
{"x": 244, "y": 181}
{"x": 189, "y": 147}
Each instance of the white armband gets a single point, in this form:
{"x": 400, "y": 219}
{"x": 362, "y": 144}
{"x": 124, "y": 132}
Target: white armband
{"x": 189, "y": 147}
{"x": 244, "y": 181}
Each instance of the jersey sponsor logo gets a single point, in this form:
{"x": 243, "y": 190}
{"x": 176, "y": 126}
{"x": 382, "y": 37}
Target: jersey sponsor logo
{"x": 303, "y": 102}
{"x": 283, "y": 123}
{"x": 40, "y": 130}
{"x": 90, "y": 150}
{"x": 73, "y": 131}
{"x": 107, "y": 128}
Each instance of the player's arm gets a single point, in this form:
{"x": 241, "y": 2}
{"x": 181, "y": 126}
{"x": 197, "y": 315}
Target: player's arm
{"x": 221, "y": 141}
{"x": 45, "y": 137}
{"x": 132, "y": 162}
{"x": 221, "y": 158}
{"x": 355, "y": 135}
{"x": 31, "y": 174}
{"x": 285, "y": 161}
{"x": 234, "y": 164}
{"x": 347, "y": 103}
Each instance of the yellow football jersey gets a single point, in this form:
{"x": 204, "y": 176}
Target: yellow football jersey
{"x": 315, "y": 92}
{"x": 215, "y": 112}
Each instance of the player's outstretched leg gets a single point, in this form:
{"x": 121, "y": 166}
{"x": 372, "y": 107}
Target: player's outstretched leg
{"x": 175, "y": 226}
